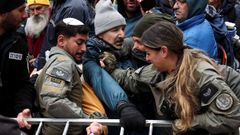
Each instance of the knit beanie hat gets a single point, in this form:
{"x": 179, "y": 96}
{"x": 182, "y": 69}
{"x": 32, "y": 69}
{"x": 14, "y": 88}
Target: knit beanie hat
{"x": 41, "y": 2}
{"x": 107, "y": 17}
{"x": 148, "y": 20}
{"x": 9, "y": 5}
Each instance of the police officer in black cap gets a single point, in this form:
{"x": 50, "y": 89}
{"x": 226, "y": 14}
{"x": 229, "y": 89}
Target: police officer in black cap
{"x": 16, "y": 92}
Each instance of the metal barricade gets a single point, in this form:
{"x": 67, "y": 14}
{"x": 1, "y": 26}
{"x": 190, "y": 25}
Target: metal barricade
{"x": 108, "y": 122}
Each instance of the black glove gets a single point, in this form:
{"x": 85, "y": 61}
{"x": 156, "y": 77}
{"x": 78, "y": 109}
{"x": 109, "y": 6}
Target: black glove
{"x": 40, "y": 62}
{"x": 130, "y": 117}
{"x": 33, "y": 78}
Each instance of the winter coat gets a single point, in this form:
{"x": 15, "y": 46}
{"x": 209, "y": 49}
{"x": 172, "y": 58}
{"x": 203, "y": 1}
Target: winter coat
{"x": 219, "y": 98}
{"x": 16, "y": 91}
{"x": 60, "y": 93}
{"x": 197, "y": 32}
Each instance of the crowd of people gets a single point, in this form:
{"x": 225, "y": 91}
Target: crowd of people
{"x": 176, "y": 60}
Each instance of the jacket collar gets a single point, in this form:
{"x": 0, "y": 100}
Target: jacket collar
{"x": 191, "y": 22}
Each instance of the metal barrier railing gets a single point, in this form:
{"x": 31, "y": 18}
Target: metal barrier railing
{"x": 108, "y": 122}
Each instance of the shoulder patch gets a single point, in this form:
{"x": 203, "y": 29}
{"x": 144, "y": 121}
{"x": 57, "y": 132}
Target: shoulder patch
{"x": 52, "y": 85}
{"x": 224, "y": 101}
{"x": 61, "y": 58}
{"x": 55, "y": 80}
{"x": 208, "y": 92}
{"x": 60, "y": 73}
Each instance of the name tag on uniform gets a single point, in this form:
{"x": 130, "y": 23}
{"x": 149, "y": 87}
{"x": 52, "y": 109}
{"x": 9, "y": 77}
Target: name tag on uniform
{"x": 15, "y": 56}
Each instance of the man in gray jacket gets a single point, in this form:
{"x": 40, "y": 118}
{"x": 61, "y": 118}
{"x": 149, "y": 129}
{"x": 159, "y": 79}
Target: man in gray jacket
{"x": 59, "y": 87}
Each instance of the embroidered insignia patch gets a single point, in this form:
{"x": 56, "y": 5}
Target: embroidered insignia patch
{"x": 59, "y": 73}
{"x": 224, "y": 101}
{"x": 53, "y": 85}
{"x": 207, "y": 92}
{"x": 55, "y": 80}
{"x": 15, "y": 56}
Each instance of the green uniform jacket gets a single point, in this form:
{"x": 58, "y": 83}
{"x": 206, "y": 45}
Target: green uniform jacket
{"x": 218, "y": 97}
{"x": 59, "y": 91}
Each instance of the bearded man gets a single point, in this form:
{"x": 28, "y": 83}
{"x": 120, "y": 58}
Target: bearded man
{"x": 39, "y": 11}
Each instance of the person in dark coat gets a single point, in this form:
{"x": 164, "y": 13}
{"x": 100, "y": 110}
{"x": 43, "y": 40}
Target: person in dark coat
{"x": 16, "y": 92}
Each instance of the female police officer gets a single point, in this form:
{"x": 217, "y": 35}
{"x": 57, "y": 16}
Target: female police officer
{"x": 199, "y": 96}
{"x": 192, "y": 88}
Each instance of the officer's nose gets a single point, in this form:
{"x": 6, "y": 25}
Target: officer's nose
{"x": 24, "y": 15}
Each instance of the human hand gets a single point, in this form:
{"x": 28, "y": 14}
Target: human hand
{"x": 31, "y": 61}
{"x": 95, "y": 129}
{"x": 26, "y": 113}
{"x": 108, "y": 61}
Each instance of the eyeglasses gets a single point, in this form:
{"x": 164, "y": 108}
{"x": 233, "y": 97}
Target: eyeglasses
{"x": 72, "y": 21}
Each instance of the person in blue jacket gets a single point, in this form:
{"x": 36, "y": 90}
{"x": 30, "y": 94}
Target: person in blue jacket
{"x": 109, "y": 30}
{"x": 197, "y": 32}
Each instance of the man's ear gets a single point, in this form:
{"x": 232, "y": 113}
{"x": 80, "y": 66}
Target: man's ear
{"x": 60, "y": 40}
